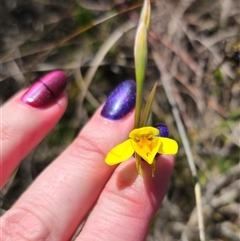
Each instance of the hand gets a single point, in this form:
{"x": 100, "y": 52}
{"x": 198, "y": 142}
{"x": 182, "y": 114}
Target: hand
{"x": 120, "y": 203}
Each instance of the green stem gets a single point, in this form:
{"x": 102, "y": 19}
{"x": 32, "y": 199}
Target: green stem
{"x": 138, "y": 105}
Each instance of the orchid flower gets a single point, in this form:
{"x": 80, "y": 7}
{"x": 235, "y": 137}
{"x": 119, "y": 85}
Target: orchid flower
{"x": 144, "y": 142}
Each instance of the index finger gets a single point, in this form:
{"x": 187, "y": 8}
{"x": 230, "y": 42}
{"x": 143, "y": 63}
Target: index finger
{"x": 22, "y": 128}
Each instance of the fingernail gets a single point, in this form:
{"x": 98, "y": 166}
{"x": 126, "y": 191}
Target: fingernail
{"x": 163, "y": 129}
{"x": 121, "y": 101}
{"x": 46, "y": 89}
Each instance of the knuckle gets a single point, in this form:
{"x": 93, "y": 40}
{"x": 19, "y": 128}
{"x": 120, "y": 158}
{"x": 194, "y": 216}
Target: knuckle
{"x": 83, "y": 147}
{"x": 21, "y": 224}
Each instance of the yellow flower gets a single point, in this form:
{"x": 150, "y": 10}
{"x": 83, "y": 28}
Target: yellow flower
{"x": 144, "y": 141}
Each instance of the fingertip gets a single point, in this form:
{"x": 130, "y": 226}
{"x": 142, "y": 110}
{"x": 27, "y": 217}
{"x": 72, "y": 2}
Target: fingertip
{"x": 120, "y": 102}
{"x": 46, "y": 90}
{"x": 165, "y": 161}
{"x": 159, "y": 183}
{"x": 60, "y": 102}
{"x": 23, "y": 127}
{"x": 130, "y": 199}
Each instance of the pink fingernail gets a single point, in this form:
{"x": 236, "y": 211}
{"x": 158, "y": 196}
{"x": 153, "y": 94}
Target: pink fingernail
{"x": 46, "y": 89}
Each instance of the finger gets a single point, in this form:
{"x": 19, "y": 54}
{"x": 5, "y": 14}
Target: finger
{"x": 128, "y": 203}
{"x": 62, "y": 195}
{"x": 23, "y": 127}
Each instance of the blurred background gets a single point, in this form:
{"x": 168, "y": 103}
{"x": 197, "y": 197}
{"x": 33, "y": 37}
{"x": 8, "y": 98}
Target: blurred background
{"x": 193, "y": 45}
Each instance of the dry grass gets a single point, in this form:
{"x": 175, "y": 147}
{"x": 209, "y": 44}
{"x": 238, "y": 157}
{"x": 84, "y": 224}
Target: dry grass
{"x": 198, "y": 44}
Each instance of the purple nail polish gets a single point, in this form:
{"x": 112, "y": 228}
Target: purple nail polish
{"x": 163, "y": 129}
{"x": 46, "y": 89}
{"x": 121, "y": 101}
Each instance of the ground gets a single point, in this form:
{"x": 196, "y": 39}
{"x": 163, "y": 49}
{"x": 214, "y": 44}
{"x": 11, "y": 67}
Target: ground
{"x": 194, "y": 49}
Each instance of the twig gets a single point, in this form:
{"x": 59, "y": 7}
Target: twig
{"x": 113, "y": 38}
{"x": 81, "y": 84}
{"x": 166, "y": 78}
{"x": 179, "y": 52}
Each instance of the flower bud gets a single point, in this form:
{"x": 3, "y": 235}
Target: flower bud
{"x": 163, "y": 129}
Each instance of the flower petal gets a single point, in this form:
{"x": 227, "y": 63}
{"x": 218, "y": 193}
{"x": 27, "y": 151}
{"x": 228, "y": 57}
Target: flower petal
{"x": 147, "y": 152}
{"x": 120, "y": 153}
{"x": 168, "y": 146}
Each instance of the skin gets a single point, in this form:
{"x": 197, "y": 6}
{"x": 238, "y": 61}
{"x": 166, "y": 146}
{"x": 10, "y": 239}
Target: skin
{"x": 121, "y": 202}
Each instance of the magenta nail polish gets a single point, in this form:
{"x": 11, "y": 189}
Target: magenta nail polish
{"x": 46, "y": 89}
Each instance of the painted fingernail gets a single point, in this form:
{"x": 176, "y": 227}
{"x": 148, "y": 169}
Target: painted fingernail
{"x": 46, "y": 89}
{"x": 121, "y": 101}
{"x": 163, "y": 129}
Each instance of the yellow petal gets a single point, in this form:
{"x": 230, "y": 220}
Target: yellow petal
{"x": 168, "y": 146}
{"x": 120, "y": 153}
{"x": 147, "y": 152}
{"x": 146, "y": 130}
{"x": 145, "y": 142}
